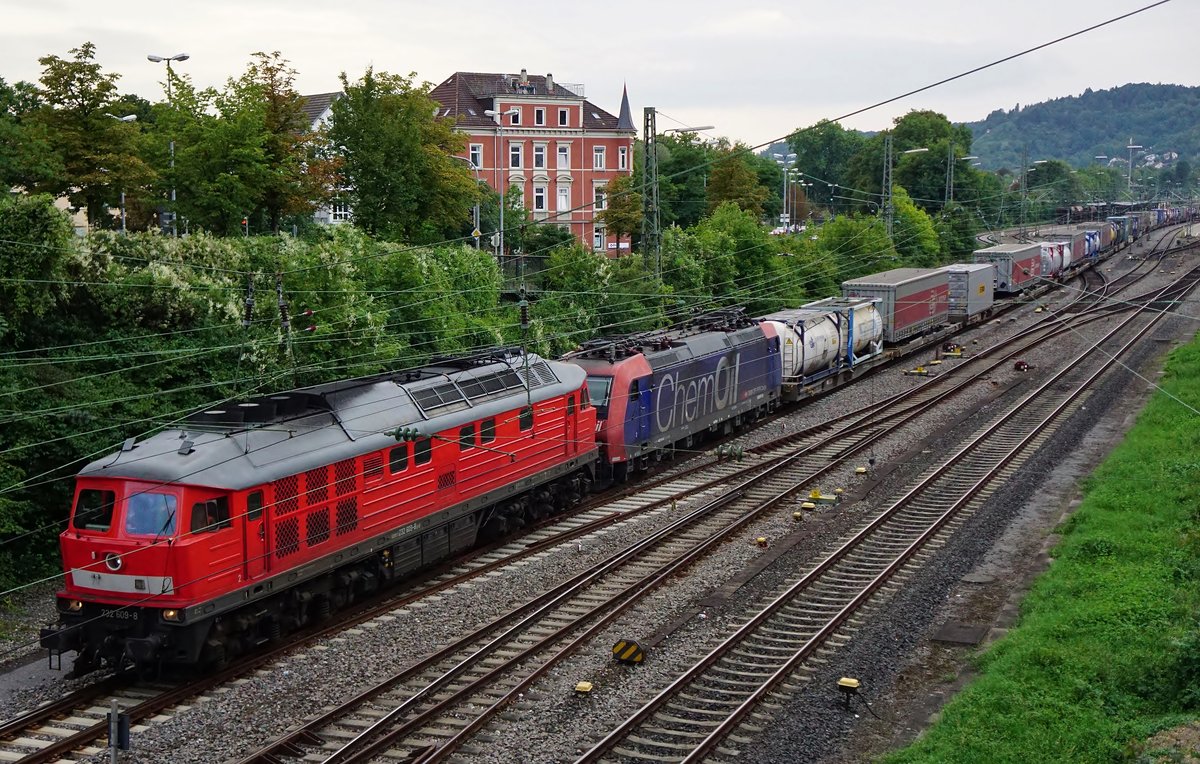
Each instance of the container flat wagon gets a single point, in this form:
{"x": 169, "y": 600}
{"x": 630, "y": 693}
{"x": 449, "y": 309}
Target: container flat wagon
{"x": 1018, "y": 266}
{"x": 910, "y": 300}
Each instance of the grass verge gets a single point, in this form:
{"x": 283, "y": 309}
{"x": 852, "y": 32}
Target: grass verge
{"x": 1107, "y": 649}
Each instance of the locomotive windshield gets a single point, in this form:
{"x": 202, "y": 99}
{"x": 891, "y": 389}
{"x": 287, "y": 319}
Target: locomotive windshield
{"x": 150, "y": 514}
{"x": 94, "y": 510}
{"x": 598, "y": 390}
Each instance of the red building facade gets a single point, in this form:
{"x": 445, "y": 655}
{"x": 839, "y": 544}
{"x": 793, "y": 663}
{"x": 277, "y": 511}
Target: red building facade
{"x": 546, "y": 139}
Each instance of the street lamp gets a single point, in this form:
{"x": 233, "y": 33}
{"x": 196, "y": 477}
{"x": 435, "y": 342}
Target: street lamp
{"x": 503, "y": 185}
{"x": 1131, "y": 147}
{"x": 787, "y": 162}
{"x": 476, "y": 169}
{"x": 167, "y": 60}
{"x": 127, "y": 118}
{"x": 951, "y": 161}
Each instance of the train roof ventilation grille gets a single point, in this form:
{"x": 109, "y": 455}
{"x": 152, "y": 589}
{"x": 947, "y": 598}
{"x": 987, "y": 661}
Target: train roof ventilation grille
{"x": 438, "y": 396}
{"x": 539, "y": 374}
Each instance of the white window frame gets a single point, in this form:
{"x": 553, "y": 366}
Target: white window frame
{"x": 598, "y": 238}
{"x": 622, "y": 157}
{"x": 600, "y": 197}
{"x": 564, "y": 117}
{"x": 564, "y": 153}
{"x": 475, "y": 155}
{"x": 564, "y": 198}
{"x": 598, "y": 157}
{"x": 339, "y": 210}
{"x": 539, "y": 116}
{"x": 515, "y": 117}
{"x": 516, "y": 156}
{"x": 539, "y": 198}
{"x": 539, "y": 153}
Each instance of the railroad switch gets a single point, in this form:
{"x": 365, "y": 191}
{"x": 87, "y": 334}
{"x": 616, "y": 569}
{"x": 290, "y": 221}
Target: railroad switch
{"x": 628, "y": 651}
{"x": 583, "y": 688}
{"x": 935, "y": 362}
{"x": 920, "y": 371}
{"x": 848, "y": 686}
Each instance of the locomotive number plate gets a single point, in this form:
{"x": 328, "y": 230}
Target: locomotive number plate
{"x": 119, "y": 614}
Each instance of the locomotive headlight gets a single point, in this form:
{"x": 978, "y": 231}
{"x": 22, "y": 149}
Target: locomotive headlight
{"x": 74, "y": 605}
{"x": 170, "y": 614}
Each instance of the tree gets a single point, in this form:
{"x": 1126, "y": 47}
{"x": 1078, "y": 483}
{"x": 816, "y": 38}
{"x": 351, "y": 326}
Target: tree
{"x": 823, "y": 152}
{"x": 734, "y": 180}
{"x": 98, "y": 154}
{"x": 683, "y": 173}
{"x": 623, "y": 215}
{"x": 301, "y": 175}
{"x": 26, "y": 157}
{"x": 397, "y": 169}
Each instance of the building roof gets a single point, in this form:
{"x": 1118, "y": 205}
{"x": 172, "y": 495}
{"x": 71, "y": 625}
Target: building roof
{"x": 466, "y": 95}
{"x": 625, "y": 121}
{"x": 315, "y": 105}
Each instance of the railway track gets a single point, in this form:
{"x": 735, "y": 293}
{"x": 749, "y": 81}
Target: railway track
{"x": 72, "y": 724}
{"x": 693, "y": 718}
{"x": 427, "y": 711}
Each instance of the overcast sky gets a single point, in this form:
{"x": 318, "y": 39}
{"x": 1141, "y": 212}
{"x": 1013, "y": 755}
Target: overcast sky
{"x": 755, "y": 70}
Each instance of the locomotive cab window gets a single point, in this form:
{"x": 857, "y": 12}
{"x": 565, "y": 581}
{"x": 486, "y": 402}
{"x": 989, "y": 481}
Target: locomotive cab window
{"x": 466, "y": 437}
{"x": 398, "y": 458}
{"x": 570, "y": 405}
{"x": 254, "y": 505}
{"x": 150, "y": 514}
{"x": 487, "y": 431}
{"x": 422, "y": 451}
{"x": 210, "y": 516}
{"x": 94, "y": 510}
{"x": 598, "y": 389}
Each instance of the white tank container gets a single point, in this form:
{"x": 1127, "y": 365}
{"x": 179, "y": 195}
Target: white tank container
{"x": 817, "y": 337}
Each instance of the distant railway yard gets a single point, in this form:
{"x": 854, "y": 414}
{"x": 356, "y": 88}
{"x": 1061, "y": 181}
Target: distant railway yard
{"x": 747, "y": 600}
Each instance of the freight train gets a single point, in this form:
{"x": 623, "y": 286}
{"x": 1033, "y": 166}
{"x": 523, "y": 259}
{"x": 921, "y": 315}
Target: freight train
{"x": 258, "y": 517}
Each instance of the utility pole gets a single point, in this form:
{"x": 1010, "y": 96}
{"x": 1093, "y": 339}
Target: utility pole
{"x": 1024, "y": 185}
{"x": 888, "y": 209}
{"x": 950, "y": 176}
{"x": 651, "y": 235}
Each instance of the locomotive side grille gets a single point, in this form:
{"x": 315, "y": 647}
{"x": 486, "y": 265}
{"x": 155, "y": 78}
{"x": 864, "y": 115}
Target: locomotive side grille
{"x": 446, "y": 480}
{"x": 316, "y": 486}
{"x": 345, "y": 477}
{"x": 286, "y": 500}
{"x": 317, "y": 525}
{"x": 287, "y": 536}
{"x": 347, "y": 515}
{"x": 373, "y": 467}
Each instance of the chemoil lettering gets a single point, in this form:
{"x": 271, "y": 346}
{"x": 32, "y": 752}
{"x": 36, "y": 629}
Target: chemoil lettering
{"x": 684, "y": 400}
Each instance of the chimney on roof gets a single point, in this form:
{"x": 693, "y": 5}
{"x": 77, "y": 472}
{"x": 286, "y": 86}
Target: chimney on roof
{"x": 524, "y": 77}
{"x": 549, "y": 84}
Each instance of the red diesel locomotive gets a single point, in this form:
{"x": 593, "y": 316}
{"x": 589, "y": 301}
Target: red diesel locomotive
{"x": 257, "y": 518}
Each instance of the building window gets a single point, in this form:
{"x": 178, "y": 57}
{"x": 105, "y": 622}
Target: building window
{"x": 563, "y": 118}
{"x": 476, "y": 157}
{"x": 539, "y": 117}
{"x": 597, "y": 157}
{"x": 339, "y": 211}
{"x": 623, "y": 158}
{"x": 539, "y": 156}
{"x": 514, "y": 155}
{"x": 598, "y": 238}
{"x": 539, "y": 198}
{"x": 515, "y": 117}
{"x": 564, "y": 157}
{"x": 600, "y": 197}
{"x": 564, "y": 198}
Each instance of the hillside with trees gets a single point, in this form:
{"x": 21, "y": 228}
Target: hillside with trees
{"x": 1076, "y": 129}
